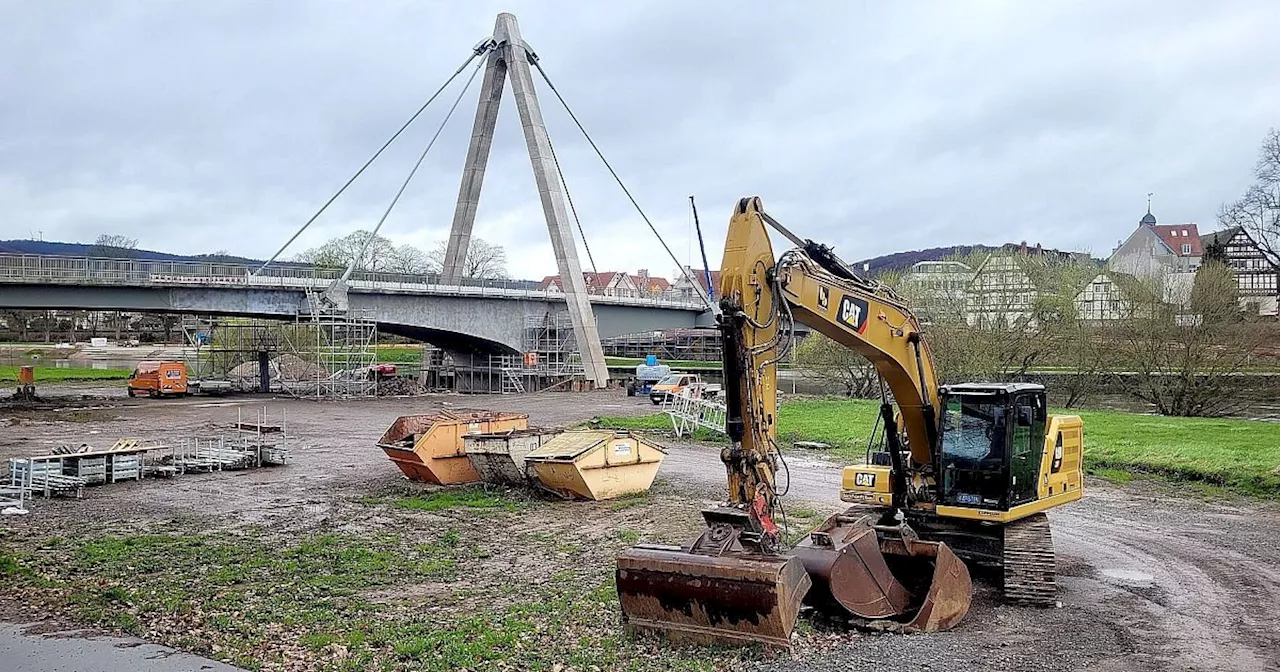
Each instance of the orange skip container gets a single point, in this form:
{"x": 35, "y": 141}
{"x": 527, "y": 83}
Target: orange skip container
{"x": 430, "y": 447}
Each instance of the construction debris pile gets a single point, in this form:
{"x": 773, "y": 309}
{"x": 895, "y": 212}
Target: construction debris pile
{"x": 453, "y": 447}
{"x": 399, "y": 386}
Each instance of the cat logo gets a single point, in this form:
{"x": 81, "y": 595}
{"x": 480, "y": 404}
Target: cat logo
{"x": 824, "y": 298}
{"x": 864, "y": 479}
{"x": 853, "y": 313}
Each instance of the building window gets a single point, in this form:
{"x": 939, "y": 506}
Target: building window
{"x": 1186, "y": 249}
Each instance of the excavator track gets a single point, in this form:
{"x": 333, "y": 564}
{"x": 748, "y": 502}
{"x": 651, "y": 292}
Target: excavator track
{"x": 1029, "y": 564}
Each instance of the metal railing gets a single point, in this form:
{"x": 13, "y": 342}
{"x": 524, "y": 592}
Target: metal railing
{"x": 689, "y": 411}
{"x": 46, "y": 269}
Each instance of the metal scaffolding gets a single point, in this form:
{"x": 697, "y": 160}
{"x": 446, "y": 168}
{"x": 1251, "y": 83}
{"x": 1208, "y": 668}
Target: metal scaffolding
{"x": 697, "y": 344}
{"x": 333, "y": 356}
{"x": 317, "y": 355}
{"x": 549, "y": 360}
{"x": 223, "y": 345}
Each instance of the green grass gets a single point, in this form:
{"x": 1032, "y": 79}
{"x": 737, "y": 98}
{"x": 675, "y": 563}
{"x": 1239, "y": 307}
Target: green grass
{"x": 629, "y": 500}
{"x": 628, "y": 536}
{"x": 1242, "y": 456}
{"x": 655, "y": 422}
{"x": 845, "y": 424}
{"x": 399, "y": 354}
{"x": 251, "y": 601}
{"x": 54, "y": 374}
{"x": 803, "y": 513}
{"x": 10, "y": 566}
{"x": 1113, "y": 475}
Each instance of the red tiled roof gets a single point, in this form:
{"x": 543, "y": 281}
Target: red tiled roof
{"x": 651, "y": 283}
{"x": 598, "y": 279}
{"x": 1177, "y": 235}
{"x": 594, "y": 281}
{"x": 715, "y": 279}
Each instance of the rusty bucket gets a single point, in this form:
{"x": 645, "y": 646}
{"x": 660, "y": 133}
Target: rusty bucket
{"x": 884, "y": 574}
{"x": 732, "y": 598}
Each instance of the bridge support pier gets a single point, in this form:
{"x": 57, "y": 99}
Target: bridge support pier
{"x": 511, "y": 59}
{"x": 264, "y": 372}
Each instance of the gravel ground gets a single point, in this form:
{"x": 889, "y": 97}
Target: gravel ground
{"x": 1150, "y": 580}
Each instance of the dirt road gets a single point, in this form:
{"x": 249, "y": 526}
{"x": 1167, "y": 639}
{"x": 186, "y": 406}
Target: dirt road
{"x": 1149, "y": 580}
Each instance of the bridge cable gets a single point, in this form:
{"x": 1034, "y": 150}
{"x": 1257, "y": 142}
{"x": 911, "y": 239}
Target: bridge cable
{"x": 574, "y": 117}
{"x": 572, "y": 209}
{"x": 480, "y": 49}
{"x": 374, "y": 234}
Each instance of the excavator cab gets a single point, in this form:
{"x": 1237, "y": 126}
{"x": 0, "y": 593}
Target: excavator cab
{"x": 992, "y": 442}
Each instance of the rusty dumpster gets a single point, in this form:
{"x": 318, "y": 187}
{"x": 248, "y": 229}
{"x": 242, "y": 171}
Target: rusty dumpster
{"x": 499, "y": 456}
{"x": 430, "y": 447}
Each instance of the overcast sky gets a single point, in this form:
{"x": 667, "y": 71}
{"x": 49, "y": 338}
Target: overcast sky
{"x": 876, "y": 127}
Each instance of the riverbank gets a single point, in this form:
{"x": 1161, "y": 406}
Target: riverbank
{"x": 1242, "y": 456}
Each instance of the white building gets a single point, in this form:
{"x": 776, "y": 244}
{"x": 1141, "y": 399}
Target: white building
{"x": 1156, "y": 250}
{"x": 1105, "y": 299}
{"x": 937, "y": 287}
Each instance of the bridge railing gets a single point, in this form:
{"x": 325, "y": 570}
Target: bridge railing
{"x": 46, "y": 269}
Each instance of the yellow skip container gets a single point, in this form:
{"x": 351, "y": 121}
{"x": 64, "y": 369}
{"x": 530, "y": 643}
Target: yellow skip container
{"x": 596, "y": 463}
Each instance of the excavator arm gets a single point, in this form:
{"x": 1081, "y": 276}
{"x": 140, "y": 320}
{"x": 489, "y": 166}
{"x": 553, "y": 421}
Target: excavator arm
{"x": 811, "y": 286}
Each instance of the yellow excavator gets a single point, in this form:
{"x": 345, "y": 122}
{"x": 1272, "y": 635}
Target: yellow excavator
{"x": 966, "y": 471}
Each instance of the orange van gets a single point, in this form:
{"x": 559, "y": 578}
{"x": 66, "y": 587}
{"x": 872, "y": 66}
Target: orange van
{"x": 157, "y": 379}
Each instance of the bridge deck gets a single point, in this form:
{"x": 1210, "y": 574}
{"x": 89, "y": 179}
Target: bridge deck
{"x": 40, "y": 269}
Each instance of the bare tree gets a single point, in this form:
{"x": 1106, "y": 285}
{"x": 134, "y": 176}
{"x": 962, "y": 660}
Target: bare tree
{"x": 1012, "y": 314}
{"x": 938, "y": 299}
{"x": 115, "y": 246}
{"x": 19, "y": 321}
{"x": 338, "y": 252}
{"x": 1182, "y": 347}
{"x": 484, "y": 260}
{"x": 824, "y": 358}
{"x": 406, "y": 258}
{"x": 46, "y": 322}
{"x": 1086, "y": 353}
{"x": 1258, "y": 210}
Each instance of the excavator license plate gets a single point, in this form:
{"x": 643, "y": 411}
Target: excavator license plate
{"x": 732, "y": 598}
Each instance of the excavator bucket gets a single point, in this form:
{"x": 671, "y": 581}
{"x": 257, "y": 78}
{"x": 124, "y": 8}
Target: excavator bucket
{"x": 732, "y": 598}
{"x": 946, "y": 601}
{"x": 885, "y": 575}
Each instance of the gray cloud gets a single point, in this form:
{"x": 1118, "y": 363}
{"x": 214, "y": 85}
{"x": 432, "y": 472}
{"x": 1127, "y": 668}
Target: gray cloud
{"x": 202, "y": 126}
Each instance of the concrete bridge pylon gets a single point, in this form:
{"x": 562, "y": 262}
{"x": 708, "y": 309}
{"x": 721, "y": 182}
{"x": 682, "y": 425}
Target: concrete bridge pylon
{"x": 510, "y": 59}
